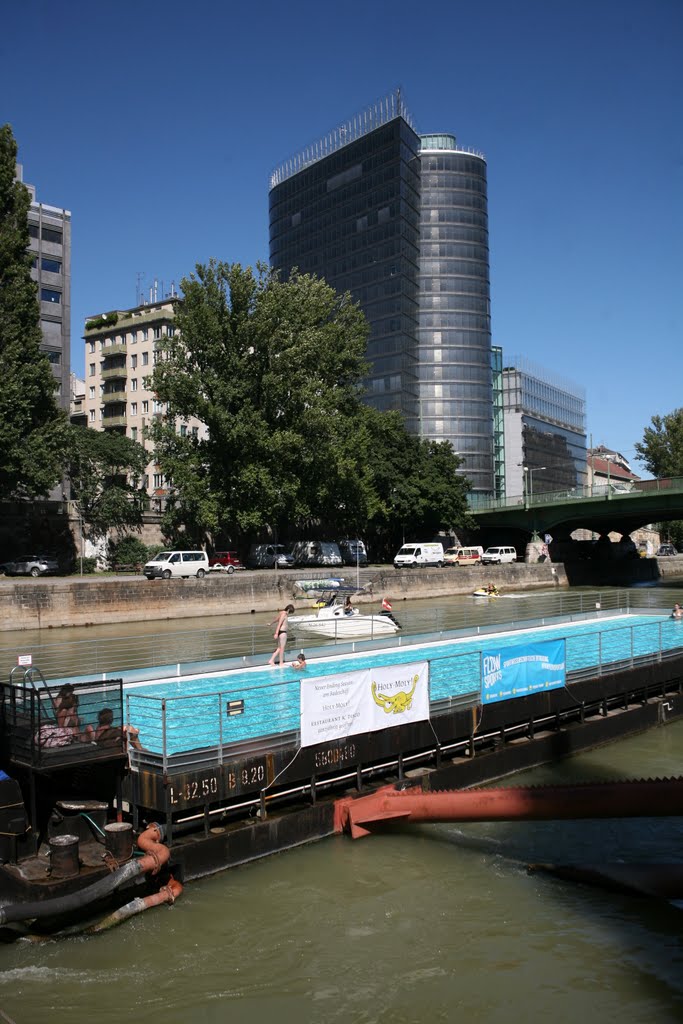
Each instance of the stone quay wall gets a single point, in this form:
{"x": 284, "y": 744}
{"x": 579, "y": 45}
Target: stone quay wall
{"x": 53, "y": 602}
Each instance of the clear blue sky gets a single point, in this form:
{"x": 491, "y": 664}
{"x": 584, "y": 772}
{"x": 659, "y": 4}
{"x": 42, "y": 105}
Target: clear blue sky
{"x": 157, "y": 125}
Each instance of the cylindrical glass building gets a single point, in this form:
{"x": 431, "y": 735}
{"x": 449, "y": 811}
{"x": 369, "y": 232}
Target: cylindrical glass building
{"x": 454, "y": 325}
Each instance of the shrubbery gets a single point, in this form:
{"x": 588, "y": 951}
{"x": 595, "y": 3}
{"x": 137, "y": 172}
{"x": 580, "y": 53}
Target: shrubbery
{"x": 128, "y": 551}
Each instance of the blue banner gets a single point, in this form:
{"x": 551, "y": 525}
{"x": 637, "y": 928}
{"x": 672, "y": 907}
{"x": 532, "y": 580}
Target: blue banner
{"x": 509, "y": 672}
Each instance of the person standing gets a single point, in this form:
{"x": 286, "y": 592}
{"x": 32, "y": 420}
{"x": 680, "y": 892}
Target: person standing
{"x": 280, "y": 635}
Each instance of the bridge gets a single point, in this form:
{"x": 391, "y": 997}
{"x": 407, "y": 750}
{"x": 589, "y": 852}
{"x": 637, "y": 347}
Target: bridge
{"x": 601, "y": 508}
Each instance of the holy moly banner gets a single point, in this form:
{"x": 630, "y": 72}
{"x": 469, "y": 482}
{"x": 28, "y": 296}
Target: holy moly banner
{"x": 348, "y": 703}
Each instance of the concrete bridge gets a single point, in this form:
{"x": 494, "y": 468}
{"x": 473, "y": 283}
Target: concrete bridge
{"x": 602, "y": 508}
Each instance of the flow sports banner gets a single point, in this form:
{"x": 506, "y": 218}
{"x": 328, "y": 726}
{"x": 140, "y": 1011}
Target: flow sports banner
{"x": 508, "y": 672}
{"x": 348, "y": 703}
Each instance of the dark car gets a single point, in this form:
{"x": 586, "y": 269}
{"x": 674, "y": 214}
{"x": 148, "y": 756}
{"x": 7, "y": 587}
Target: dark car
{"x": 270, "y": 556}
{"x": 30, "y": 565}
{"x": 227, "y": 561}
{"x": 666, "y": 549}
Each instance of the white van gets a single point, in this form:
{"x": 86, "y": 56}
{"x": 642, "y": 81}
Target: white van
{"x": 499, "y": 555}
{"x": 463, "y": 556}
{"x": 412, "y": 555}
{"x": 177, "y": 563}
{"x": 316, "y": 552}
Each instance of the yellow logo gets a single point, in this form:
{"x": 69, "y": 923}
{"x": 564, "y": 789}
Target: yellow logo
{"x": 398, "y": 702}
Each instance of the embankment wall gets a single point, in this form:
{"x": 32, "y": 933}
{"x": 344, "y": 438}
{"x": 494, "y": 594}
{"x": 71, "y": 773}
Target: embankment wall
{"x": 48, "y": 603}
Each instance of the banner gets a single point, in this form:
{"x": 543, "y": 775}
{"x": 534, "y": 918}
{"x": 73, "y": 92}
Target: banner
{"x": 508, "y": 672}
{"x": 348, "y": 703}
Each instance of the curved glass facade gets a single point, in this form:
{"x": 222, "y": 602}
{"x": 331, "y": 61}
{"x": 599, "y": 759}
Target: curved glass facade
{"x": 454, "y": 322}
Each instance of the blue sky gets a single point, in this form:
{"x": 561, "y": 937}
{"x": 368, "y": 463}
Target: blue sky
{"x": 157, "y": 125}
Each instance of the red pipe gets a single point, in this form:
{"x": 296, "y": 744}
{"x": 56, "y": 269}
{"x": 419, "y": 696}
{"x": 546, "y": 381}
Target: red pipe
{"x": 156, "y": 854}
{"x": 640, "y": 798}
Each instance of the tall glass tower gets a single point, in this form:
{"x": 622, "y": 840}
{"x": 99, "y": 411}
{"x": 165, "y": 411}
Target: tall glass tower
{"x": 400, "y": 221}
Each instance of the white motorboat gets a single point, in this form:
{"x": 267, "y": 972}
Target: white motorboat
{"x": 333, "y": 621}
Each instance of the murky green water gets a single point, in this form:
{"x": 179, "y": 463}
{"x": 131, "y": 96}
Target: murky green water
{"x": 434, "y": 924}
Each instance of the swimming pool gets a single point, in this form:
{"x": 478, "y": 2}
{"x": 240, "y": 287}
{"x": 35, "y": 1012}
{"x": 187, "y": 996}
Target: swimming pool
{"x": 176, "y": 715}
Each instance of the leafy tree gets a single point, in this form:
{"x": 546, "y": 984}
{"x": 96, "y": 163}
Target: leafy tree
{"x": 273, "y": 370}
{"x": 661, "y": 451}
{"x": 127, "y": 550}
{"x": 105, "y": 471}
{"x": 31, "y": 424}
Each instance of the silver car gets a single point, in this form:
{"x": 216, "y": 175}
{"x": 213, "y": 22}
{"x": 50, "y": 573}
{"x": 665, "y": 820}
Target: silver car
{"x": 30, "y": 565}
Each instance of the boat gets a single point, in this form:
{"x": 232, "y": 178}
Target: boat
{"x": 332, "y": 620}
{"x": 320, "y": 585}
{"x": 485, "y": 592}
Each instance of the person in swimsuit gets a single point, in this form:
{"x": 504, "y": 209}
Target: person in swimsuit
{"x": 280, "y": 635}
{"x": 300, "y": 663}
{"x": 677, "y": 612}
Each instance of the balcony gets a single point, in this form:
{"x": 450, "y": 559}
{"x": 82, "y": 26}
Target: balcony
{"x": 113, "y": 350}
{"x": 114, "y": 398}
{"x": 115, "y": 372}
{"x": 110, "y": 422}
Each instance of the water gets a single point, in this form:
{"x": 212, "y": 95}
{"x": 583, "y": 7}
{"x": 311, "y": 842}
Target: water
{"x": 433, "y": 924}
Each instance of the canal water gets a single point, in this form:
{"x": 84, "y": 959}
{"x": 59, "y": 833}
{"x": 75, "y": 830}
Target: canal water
{"x": 426, "y": 925}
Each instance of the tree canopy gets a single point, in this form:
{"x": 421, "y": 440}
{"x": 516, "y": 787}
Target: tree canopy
{"x": 105, "y": 472}
{"x": 661, "y": 449}
{"x": 274, "y": 371}
{"x": 31, "y": 424}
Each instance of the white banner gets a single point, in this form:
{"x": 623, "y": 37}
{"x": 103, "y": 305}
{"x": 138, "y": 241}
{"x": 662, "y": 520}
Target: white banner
{"x": 345, "y": 704}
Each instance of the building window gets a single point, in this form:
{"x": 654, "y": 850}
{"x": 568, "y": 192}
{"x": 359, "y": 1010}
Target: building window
{"x": 54, "y": 357}
{"x": 133, "y": 362}
{"x": 134, "y": 384}
{"x": 171, "y": 332}
{"x": 195, "y": 431}
{"x": 91, "y": 347}
{"x": 134, "y": 433}
{"x": 145, "y": 333}
{"x": 50, "y": 295}
{"x": 92, "y": 415}
{"x": 157, "y": 333}
{"x": 50, "y": 235}
{"x": 157, "y": 406}
{"x": 51, "y": 266}
{"x": 91, "y": 370}
{"x": 145, "y": 358}
{"x": 158, "y": 480}
{"x": 33, "y": 231}
{"x": 145, "y": 407}
{"x": 133, "y": 337}
{"x": 183, "y": 430}
{"x": 134, "y": 408}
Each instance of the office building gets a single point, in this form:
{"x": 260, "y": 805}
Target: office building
{"x": 121, "y": 350}
{"x": 545, "y": 430}
{"x": 50, "y": 244}
{"x": 399, "y": 220}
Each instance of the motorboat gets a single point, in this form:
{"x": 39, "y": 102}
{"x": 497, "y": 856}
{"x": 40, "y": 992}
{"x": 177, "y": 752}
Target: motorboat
{"x": 332, "y": 620}
{"x": 485, "y": 592}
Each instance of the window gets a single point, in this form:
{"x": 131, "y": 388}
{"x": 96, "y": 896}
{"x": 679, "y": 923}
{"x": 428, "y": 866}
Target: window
{"x": 145, "y": 358}
{"x": 134, "y": 433}
{"x": 50, "y": 235}
{"x": 33, "y": 231}
{"x": 171, "y": 332}
{"x": 133, "y": 362}
{"x": 157, "y": 333}
{"x": 51, "y": 266}
{"x": 195, "y": 431}
{"x": 145, "y": 333}
{"x": 183, "y": 430}
{"x": 157, "y": 406}
{"x": 91, "y": 347}
{"x": 133, "y": 337}
{"x": 91, "y": 415}
{"x": 91, "y": 370}
{"x": 50, "y": 295}
{"x": 134, "y": 408}
{"x": 158, "y": 480}
{"x": 145, "y": 408}
{"x": 134, "y": 384}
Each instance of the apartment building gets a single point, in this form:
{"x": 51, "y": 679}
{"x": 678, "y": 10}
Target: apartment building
{"x": 49, "y": 229}
{"x": 121, "y": 349}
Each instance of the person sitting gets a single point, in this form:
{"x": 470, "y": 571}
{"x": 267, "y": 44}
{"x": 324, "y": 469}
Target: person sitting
{"x": 348, "y": 607}
{"x": 68, "y": 719}
{"x": 677, "y": 612}
{"x": 132, "y": 736}
{"x": 491, "y": 588}
{"x": 107, "y": 734}
{"x": 300, "y": 663}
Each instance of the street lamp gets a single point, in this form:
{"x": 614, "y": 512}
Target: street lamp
{"x": 529, "y": 482}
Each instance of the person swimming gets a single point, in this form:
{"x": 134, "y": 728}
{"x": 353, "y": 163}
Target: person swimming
{"x": 300, "y": 662}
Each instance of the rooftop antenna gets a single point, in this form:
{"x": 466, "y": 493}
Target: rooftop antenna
{"x": 139, "y": 277}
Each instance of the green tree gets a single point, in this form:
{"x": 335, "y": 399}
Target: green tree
{"x": 273, "y": 370}
{"x": 31, "y": 424}
{"x": 105, "y": 472}
{"x": 661, "y": 449}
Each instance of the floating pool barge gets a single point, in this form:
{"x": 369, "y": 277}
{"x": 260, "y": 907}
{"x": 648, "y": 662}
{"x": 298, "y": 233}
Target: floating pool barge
{"x": 234, "y": 799}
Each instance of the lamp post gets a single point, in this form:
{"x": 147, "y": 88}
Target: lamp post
{"x": 529, "y": 482}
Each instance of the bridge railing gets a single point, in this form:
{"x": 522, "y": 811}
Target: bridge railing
{"x": 609, "y": 490}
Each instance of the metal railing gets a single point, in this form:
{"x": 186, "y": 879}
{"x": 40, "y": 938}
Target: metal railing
{"x": 197, "y": 730}
{"x": 186, "y": 652}
{"x": 609, "y": 489}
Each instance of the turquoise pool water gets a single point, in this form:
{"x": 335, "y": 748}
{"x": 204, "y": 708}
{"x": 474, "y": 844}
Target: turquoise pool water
{"x": 195, "y": 710}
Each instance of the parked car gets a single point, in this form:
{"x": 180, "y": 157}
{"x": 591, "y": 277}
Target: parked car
{"x": 666, "y": 549}
{"x": 316, "y": 552}
{"x": 269, "y": 556}
{"x": 499, "y": 555}
{"x": 463, "y": 556}
{"x": 30, "y": 565}
{"x": 353, "y": 552}
{"x": 414, "y": 555}
{"x": 225, "y": 561}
